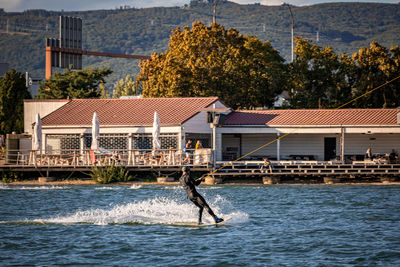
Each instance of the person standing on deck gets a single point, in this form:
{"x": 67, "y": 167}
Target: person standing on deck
{"x": 189, "y": 185}
{"x": 2, "y": 146}
{"x": 187, "y": 148}
{"x": 368, "y": 153}
{"x": 198, "y": 145}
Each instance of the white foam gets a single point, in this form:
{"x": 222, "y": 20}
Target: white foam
{"x": 172, "y": 187}
{"x": 135, "y": 186}
{"x": 44, "y": 187}
{"x": 106, "y": 188}
{"x": 152, "y": 211}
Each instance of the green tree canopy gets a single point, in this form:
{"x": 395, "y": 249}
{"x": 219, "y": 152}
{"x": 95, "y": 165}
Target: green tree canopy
{"x": 319, "y": 77}
{"x": 73, "y": 84}
{"x": 13, "y": 91}
{"x": 125, "y": 87}
{"x": 242, "y": 71}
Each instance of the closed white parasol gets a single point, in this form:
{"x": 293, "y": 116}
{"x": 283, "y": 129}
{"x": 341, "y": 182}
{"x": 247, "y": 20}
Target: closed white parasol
{"x": 95, "y": 132}
{"x": 37, "y": 134}
{"x": 156, "y": 131}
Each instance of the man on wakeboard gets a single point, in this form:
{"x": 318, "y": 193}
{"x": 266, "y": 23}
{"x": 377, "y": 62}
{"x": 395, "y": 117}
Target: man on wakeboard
{"x": 189, "y": 185}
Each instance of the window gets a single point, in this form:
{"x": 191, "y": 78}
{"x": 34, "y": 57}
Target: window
{"x": 62, "y": 143}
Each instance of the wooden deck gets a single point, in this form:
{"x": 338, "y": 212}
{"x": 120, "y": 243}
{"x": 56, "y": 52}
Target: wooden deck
{"x": 309, "y": 172}
{"x": 311, "y": 169}
{"x": 133, "y": 160}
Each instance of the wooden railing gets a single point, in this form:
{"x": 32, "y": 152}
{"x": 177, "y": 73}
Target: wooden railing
{"x": 103, "y": 157}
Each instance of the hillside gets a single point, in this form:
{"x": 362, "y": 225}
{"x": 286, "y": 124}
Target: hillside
{"x": 344, "y": 26}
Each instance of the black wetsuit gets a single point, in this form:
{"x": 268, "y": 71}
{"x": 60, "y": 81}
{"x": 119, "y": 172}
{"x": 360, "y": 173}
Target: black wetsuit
{"x": 190, "y": 186}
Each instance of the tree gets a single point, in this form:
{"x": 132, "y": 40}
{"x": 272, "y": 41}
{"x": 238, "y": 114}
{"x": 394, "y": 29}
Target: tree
{"x": 377, "y": 65}
{"x": 242, "y": 71}
{"x": 125, "y": 87}
{"x": 320, "y": 78}
{"x": 104, "y": 93}
{"x": 13, "y": 91}
{"x": 73, "y": 84}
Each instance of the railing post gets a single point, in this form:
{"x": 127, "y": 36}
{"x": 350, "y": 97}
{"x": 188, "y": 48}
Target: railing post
{"x": 342, "y": 159}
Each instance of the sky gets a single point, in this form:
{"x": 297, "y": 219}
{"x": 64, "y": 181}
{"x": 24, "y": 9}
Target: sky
{"x": 79, "y": 5}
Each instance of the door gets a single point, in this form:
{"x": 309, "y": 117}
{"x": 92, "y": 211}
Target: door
{"x": 330, "y": 148}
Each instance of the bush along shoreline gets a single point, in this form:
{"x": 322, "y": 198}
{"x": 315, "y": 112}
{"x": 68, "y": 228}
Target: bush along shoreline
{"x": 110, "y": 174}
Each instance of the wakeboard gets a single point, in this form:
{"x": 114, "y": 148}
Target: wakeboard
{"x": 195, "y": 224}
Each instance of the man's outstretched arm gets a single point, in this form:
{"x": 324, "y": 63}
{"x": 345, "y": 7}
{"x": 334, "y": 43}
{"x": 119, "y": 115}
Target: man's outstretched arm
{"x": 199, "y": 180}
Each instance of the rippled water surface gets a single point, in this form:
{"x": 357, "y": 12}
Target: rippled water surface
{"x": 141, "y": 226}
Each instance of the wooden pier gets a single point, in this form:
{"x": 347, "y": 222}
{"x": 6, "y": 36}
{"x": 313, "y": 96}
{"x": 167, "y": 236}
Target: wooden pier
{"x": 246, "y": 171}
{"x": 138, "y": 160}
{"x": 327, "y": 172}
{"x": 311, "y": 169}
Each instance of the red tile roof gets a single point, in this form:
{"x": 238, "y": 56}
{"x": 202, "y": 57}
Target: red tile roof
{"x": 171, "y": 111}
{"x": 314, "y": 117}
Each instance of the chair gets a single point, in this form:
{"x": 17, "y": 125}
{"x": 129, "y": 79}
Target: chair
{"x": 22, "y": 159}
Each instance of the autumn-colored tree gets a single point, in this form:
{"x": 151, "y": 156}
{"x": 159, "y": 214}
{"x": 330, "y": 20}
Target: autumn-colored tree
{"x": 319, "y": 77}
{"x": 13, "y": 91}
{"x": 377, "y": 65}
{"x": 242, "y": 71}
{"x": 125, "y": 87}
{"x": 73, "y": 84}
{"x": 104, "y": 93}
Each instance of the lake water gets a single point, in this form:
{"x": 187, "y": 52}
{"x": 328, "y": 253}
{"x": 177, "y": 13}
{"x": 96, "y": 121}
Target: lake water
{"x": 283, "y": 225}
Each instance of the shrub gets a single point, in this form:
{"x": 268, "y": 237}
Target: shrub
{"x": 110, "y": 174}
{"x": 9, "y": 177}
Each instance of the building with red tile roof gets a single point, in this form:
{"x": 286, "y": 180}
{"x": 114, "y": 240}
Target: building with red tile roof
{"x": 311, "y": 134}
{"x": 317, "y": 134}
{"x": 123, "y": 122}
{"x": 127, "y": 112}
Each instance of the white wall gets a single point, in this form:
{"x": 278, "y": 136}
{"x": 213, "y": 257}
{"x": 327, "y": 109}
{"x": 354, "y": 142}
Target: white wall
{"x": 43, "y": 107}
{"x": 313, "y": 144}
{"x": 251, "y": 142}
{"x": 357, "y": 144}
{"x": 198, "y": 123}
{"x": 305, "y": 144}
{"x": 294, "y": 144}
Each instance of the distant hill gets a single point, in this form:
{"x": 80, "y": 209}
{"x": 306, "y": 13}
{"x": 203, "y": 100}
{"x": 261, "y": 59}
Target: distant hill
{"x": 344, "y": 26}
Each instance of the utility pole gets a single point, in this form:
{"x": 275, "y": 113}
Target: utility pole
{"x": 214, "y": 11}
{"x": 292, "y": 29}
